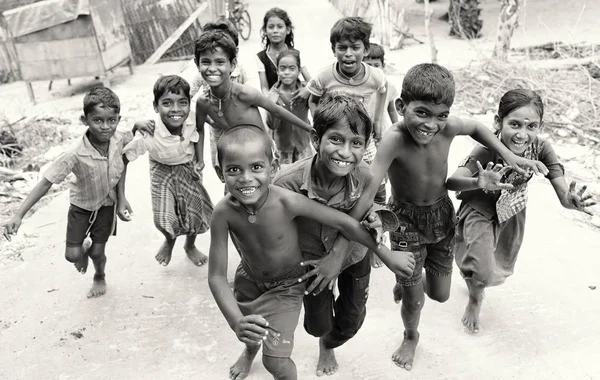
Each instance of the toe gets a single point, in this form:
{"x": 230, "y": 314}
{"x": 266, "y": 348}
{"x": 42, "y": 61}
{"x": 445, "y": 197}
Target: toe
{"x": 319, "y": 373}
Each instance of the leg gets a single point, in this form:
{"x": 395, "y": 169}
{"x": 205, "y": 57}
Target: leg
{"x": 78, "y": 255}
{"x": 240, "y": 369}
{"x": 412, "y": 304}
{"x": 197, "y": 257}
{"x": 318, "y": 321}
{"x": 166, "y": 250}
{"x": 98, "y": 257}
{"x": 280, "y": 368}
{"x": 470, "y": 318}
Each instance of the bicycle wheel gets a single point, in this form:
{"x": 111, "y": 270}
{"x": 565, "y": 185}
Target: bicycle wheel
{"x": 244, "y": 25}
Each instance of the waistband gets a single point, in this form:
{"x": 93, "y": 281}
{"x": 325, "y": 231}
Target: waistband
{"x": 441, "y": 202}
{"x": 293, "y": 273}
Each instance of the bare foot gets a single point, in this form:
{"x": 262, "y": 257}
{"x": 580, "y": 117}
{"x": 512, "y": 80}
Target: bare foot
{"x": 470, "y": 318}
{"x": 98, "y": 287}
{"x": 197, "y": 257}
{"x": 375, "y": 260}
{"x": 327, "y": 364}
{"x": 82, "y": 264}
{"x": 164, "y": 253}
{"x": 404, "y": 355}
{"x": 240, "y": 369}
{"x": 397, "y": 292}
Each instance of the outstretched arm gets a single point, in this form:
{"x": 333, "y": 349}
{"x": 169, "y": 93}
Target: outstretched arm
{"x": 201, "y": 115}
{"x": 262, "y": 101}
{"x": 570, "y": 197}
{"x": 488, "y": 178}
{"x": 379, "y": 106}
{"x": 249, "y": 329}
{"x": 36, "y": 194}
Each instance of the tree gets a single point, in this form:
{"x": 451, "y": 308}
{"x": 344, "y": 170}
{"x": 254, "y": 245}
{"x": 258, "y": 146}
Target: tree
{"x": 507, "y": 23}
{"x": 463, "y": 16}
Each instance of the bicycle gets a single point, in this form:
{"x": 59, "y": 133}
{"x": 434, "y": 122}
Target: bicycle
{"x": 239, "y": 17}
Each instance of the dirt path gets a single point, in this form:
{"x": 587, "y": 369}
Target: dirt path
{"x": 162, "y": 323}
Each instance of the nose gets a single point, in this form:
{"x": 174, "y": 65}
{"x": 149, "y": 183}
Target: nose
{"x": 245, "y": 177}
{"x": 430, "y": 123}
{"x": 344, "y": 151}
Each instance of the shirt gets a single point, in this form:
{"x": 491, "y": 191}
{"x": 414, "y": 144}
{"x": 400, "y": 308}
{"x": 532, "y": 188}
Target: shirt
{"x": 95, "y": 176}
{"x": 485, "y": 201}
{"x": 163, "y": 146}
{"x": 287, "y": 136}
{"x": 316, "y": 239}
{"x": 264, "y": 64}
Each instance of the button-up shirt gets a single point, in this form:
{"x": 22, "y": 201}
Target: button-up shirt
{"x": 316, "y": 239}
{"x": 96, "y": 176}
{"x": 164, "y": 147}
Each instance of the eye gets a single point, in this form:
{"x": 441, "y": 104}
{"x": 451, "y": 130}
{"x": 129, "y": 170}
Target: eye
{"x": 233, "y": 170}
{"x": 166, "y": 104}
{"x": 184, "y": 102}
{"x": 533, "y": 126}
{"x": 358, "y": 143}
{"x": 257, "y": 167}
{"x": 335, "y": 139}
{"x": 442, "y": 117}
{"x": 421, "y": 113}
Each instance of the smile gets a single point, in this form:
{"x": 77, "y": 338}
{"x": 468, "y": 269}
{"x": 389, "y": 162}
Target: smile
{"x": 423, "y": 133}
{"x": 519, "y": 144}
{"x": 176, "y": 117}
{"x": 342, "y": 163}
{"x": 248, "y": 190}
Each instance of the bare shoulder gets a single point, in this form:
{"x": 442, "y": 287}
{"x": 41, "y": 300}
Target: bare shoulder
{"x": 203, "y": 100}
{"x": 393, "y": 138}
{"x": 223, "y": 210}
{"x": 244, "y": 92}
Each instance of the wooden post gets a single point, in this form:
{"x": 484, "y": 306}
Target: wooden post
{"x": 428, "y": 14}
{"x": 507, "y": 23}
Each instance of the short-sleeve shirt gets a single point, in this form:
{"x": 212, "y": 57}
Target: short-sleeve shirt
{"x": 164, "y": 147}
{"x": 287, "y": 136}
{"x": 485, "y": 202}
{"x": 96, "y": 176}
{"x": 316, "y": 239}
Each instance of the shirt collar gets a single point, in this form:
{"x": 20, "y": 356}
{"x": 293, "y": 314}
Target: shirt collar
{"x": 345, "y": 199}
{"x": 87, "y": 149}
{"x": 162, "y": 131}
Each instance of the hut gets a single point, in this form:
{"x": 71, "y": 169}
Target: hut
{"x": 63, "y": 39}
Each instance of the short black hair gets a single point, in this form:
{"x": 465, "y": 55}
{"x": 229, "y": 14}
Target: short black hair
{"x": 211, "y": 41}
{"x": 170, "y": 83}
{"x": 376, "y": 51}
{"x": 351, "y": 28}
{"x": 240, "y": 134}
{"x": 428, "y": 82}
{"x": 224, "y": 26}
{"x": 289, "y": 53}
{"x": 101, "y": 95}
{"x": 339, "y": 108}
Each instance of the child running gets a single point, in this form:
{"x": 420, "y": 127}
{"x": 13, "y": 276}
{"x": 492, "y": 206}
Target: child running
{"x": 277, "y": 36}
{"x": 96, "y": 160}
{"x": 225, "y": 102}
{"x": 267, "y": 297}
{"x": 336, "y": 176}
{"x": 293, "y": 143}
{"x": 180, "y": 204}
{"x": 491, "y": 217}
{"x": 376, "y": 58}
{"x": 415, "y": 156}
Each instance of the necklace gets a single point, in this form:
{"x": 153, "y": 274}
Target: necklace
{"x": 252, "y": 214}
{"x": 350, "y": 79}
{"x": 220, "y": 112}
{"x": 103, "y": 151}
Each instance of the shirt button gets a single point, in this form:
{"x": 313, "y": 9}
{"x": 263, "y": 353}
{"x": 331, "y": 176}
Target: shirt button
{"x": 326, "y": 238}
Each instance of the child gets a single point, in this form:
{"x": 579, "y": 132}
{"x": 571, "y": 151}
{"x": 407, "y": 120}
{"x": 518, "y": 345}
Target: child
{"x": 492, "y": 213}
{"x": 415, "y": 156}
{"x": 293, "y": 143}
{"x": 225, "y": 102}
{"x": 97, "y": 162}
{"x": 266, "y": 300}
{"x": 349, "y": 39}
{"x": 180, "y": 204}
{"x": 277, "y": 36}
{"x": 335, "y": 176}
{"x": 376, "y": 58}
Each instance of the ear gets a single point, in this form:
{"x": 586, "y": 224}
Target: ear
{"x": 400, "y": 106}
{"x": 497, "y": 123}
{"x": 155, "y": 107}
{"x": 84, "y": 120}
{"x": 367, "y": 51}
{"x": 220, "y": 173}
{"x": 233, "y": 64}
{"x": 275, "y": 166}
{"x": 314, "y": 138}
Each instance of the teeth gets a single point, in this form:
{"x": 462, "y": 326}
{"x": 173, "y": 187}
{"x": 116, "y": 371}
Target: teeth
{"x": 248, "y": 190}
{"x": 423, "y": 133}
{"x": 519, "y": 144}
{"x": 341, "y": 163}
{"x": 176, "y": 117}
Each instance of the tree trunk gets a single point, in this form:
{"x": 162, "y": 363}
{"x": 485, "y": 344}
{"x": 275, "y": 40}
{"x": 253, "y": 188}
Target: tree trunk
{"x": 463, "y": 16}
{"x": 507, "y": 23}
{"x": 428, "y": 14}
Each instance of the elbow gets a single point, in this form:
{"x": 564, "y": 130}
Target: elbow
{"x": 451, "y": 184}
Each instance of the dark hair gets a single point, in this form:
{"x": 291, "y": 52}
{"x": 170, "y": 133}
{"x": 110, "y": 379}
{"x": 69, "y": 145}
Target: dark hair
{"x": 170, "y": 83}
{"x": 428, "y": 82}
{"x": 350, "y": 28}
{"x": 211, "y": 41}
{"x": 517, "y": 98}
{"x": 376, "y": 51}
{"x": 103, "y": 96}
{"x": 224, "y": 26}
{"x": 289, "y": 53}
{"x": 240, "y": 134}
{"x": 338, "y": 108}
{"x": 279, "y": 13}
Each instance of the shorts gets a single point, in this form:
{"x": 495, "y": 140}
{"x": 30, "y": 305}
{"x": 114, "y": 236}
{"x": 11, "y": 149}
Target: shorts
{"x": 278, "y": 300}
{"x": 427, "y": 232}
{"x": 99, "y": 225}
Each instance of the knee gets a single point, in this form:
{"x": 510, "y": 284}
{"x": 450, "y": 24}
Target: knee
{"x": 440, "y": 296}
{"x": 73, "y": 254}
{"x": 317, "y": 329}
{"x": 280, "y": 368}
{"x": 412, "y": 306}
{"x": 96, "y": 250}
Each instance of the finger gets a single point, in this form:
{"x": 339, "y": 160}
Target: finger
{"x": 257, "y": 320}
{"x": 586, "y": 197}
{"x": 505, "y": 186}
{"x": 6, "y": 235}
{"x": 520, "y": 170}
{"x": 582, "y": 190}
{"x": 542, "y": 168}
{"x": 322, "y": 286}
{"x": 308, "y": 275}
{"x": 504, "y": 169}
{"x": 316, "y": 282}
{"x": 479, "y": 167}
{"x": 589, "y": 204}
{"x": 489, "y": 166}
{"x": 249, "y": 341}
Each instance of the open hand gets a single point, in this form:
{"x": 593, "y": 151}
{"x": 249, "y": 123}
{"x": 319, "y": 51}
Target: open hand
{"x": 144, "y": 126}
{"x": 489, "y": 178}
{"x": 577, "y": 200}
{"x": 12, "y": 227}
{"x": 124, "y": 211}
{"x": 523, "y": 165}
{"x": 326, "y": 271}
{"x": 252, "y": 329}
{"x": 373, "y": 223}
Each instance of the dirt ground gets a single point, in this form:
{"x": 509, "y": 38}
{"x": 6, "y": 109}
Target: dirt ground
{"x": 162, "y": 323}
